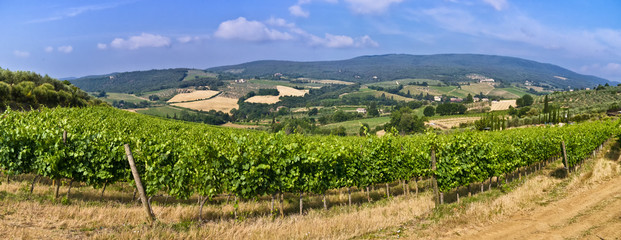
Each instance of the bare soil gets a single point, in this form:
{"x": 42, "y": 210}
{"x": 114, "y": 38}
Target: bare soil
{"x": 594, "y": 213}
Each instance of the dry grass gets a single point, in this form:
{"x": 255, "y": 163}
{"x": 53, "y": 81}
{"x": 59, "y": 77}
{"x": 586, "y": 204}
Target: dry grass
{"x": 478, "y": 88}
{"x": 283, "y": 91}
{"x": 451, "y": 122}
{"x": 217, "y": 103}
{"x": 193, "y": 96}
{"x": 289, "y": 91}
{"x": 502, "y": 105}
{"x": 117, "y": 217}
{"x": 264, "y": 99}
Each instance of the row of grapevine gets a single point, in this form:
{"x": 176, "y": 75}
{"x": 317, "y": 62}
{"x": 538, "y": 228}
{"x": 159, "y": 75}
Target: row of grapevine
{"x": 185, "y": 159}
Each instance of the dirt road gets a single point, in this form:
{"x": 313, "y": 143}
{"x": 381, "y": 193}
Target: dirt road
{"x": 591, "y": 213}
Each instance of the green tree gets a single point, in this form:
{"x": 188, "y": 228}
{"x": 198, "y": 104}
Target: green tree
{"x": 429, "y": 111}
{"x": 469, "y": 99}
{"x": 313, "y": 112}
{"x": 546, "y": 107}
{"x": 372, "y": 109}
{"x": 406, "y": 121}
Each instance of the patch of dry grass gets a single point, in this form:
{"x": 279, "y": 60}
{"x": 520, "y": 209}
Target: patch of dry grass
{"x": 193, "y": 96}
{"x": 502, "y": 105}
{"x": 283, "y": 91}
{"x": 218, "y": 103}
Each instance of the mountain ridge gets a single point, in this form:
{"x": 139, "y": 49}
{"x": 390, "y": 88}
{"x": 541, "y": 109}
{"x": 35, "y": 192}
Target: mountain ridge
{"x": 448, "y": 68}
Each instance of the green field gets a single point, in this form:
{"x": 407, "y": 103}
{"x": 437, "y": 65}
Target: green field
{"x": 353, "y": 126}
{"x": 161, "y": 111}
{"x": 121, "y": 96}
{"x": 405, "y": 81}
{"x": 195, "y": 74}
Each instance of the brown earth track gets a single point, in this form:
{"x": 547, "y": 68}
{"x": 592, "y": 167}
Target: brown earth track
{"x": 593, "y": 213}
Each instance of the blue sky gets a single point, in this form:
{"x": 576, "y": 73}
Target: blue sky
{"x": 76, "y": 38}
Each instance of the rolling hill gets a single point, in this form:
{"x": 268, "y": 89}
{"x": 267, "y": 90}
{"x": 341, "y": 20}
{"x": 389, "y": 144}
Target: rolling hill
{"x": 448, "y": 68}
{"x": 445, "y": 67}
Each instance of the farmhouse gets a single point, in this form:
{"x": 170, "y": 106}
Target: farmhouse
{"x": 437, "y": 98}
{"x": 361, "y": 110}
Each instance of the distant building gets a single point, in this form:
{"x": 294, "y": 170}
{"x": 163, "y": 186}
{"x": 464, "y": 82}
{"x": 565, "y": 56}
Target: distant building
{"x": 437, "y": 98}
{"x": 456, "y": 99}
{"x": 240, "y": 81}
{"x": 487, "y": 80}
{"x": 361, "y": 110}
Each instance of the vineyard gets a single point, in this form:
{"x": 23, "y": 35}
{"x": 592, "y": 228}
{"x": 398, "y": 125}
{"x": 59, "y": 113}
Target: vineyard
{"x": 182, "y": 159}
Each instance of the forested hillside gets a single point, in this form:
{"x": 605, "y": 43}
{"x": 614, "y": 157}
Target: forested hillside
{"x": 28, "y": 90}
{"x": 143, "y": 81}
{"x": 445, "y": 67}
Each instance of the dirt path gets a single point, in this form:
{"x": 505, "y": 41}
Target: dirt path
{"x": 594, "y": 213}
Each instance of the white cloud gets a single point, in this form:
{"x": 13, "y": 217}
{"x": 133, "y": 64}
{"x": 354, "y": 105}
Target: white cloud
{"x": 49, "y": 49}
{"x": 296, "y": 10}
{"x": 21, "y": 54}
{"x": 75, "y": 11}
{"x": 65, "y": 49}
{"x": 253, "y": 31}
{"x": 102, "y": 46}
{"x": 281, "y": 30}
{"x": 141, "y": 41}
{"x": 341, "y": 41}
{"x": 371, "y": 6}
{"x": 366, "y": 41}
{"x": 187, "y": 39}
{"x": 279, "y": 22}
{"x": 499, "y": 5}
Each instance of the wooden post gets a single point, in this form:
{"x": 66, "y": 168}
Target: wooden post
{"x": 441, "y": 198}
{"x": 565, "y": 159}
{"x": 349, "y": 194}
{"x": 282, "y": 211}
{"x": 434, "y": 181}
{"x": 58, "y": 179}
{"x": 139, "y": 186}
{"x": 416, "y": 185}
{"x": 325, "y": 201}
{"x": 301, "y": 204}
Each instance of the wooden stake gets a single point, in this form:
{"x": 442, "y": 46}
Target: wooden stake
{"x": 349, "y": 194}
{"x": 416, "y": 185}
{"x": 282, "y": 211}
{"x": 57, "y": 188}
{"x": 139, "y": 186}
{"x": 565, "y": 158}
{"x": 325, "y": 202}
{"x": 434, "y": 181}
{"x": 301, "y": 204}
{"x": 387, "y": 191}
